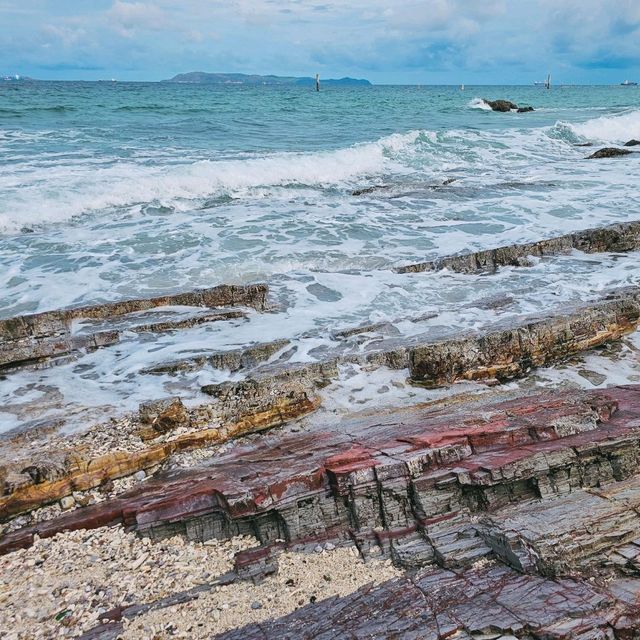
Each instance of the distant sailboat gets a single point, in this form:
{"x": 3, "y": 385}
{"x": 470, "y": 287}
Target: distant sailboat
{"x": 546, "y": 83}
{"x": 461, "y": 87}
{"x": 628, "y": 83}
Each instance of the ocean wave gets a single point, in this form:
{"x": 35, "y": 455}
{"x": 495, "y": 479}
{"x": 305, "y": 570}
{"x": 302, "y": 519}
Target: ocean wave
{"x": 76, "y": 189}
{"x": 18, "y": 112}
{"x": 478, "y": 103}
{"x": 619, "y": 128}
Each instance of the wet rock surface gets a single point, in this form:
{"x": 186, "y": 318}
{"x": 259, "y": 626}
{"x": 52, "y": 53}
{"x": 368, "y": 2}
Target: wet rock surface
{"x": 512, "y": 351}
{"x": 34, "y": 338}
{"x": 619, "y": 237}
{"x": 505, "y": 106}
{"x": 273, "y": 394}
{"x": 609, "y": 152}
{"x": 502, "y": 519}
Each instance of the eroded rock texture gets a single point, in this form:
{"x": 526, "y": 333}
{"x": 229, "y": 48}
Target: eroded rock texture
{"x": 271, "y": 395}
{"x": 510, "y": 352}
{"x": 33, "y": 338}
{"x": 385, "y": 478}
{"x": 519, "y": 519}
{"x": 619, "y": 237}
{"x": 609, "y": 152}
{"x": 493, "y": 603}
{"x": 505, "y": 106}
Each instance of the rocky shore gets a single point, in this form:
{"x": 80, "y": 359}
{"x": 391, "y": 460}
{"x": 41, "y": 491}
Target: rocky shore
{"x": 254, "y": 512}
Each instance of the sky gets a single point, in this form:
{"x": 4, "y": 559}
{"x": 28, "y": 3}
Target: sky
{"x": 401, "y": 42}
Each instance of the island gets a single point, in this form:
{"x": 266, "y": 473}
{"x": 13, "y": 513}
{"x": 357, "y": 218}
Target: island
{"x": 200, "y": 77}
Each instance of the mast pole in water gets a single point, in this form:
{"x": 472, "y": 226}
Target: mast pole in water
{"x": 317, "y": 82}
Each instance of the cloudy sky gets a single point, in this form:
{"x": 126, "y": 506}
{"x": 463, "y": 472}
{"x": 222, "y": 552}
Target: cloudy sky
{"x": 401, "y": 41}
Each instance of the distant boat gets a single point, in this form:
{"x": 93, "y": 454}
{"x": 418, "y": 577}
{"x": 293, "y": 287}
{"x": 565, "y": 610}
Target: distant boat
{"x": 545, "y": 83}
{"x": 461, "y": 87}
{"x": 628, "y": 83}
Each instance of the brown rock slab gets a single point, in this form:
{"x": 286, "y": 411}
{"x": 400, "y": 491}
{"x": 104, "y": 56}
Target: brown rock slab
{"x": 386, "y": 477}
{"x": 36, "y": 337}
{"x": 619, "y": 237}
{"x": 512, "y": 351}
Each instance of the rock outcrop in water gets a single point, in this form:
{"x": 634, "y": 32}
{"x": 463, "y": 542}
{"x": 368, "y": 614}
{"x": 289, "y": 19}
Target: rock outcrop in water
{"x": 515, "y": 518}
{"x": 35, "y": 338}
{"x": 505, "y": 106}
{"x": 609, "y": 152}
{"x": 272, "y": 394}
{"x": 632, "y": 143}
{"x": 619, "y": 238}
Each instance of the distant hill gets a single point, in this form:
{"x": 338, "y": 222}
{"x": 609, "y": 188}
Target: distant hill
{"x": 200, "y": 77}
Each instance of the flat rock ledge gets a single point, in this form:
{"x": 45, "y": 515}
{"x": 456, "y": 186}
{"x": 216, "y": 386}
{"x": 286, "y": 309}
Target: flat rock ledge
{"x": 519, "y": 519}
{"x": 35, "y": 338}
{"x": 35, "y": 472}
{"x": 616, "y": 238}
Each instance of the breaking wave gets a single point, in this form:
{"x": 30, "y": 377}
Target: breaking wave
{"x": 479, "y": 103}
{"x": 71, "y": 190}
{"x": 618, "y": 128}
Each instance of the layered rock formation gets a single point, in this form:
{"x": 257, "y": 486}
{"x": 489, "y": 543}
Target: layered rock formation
{"x": 480, "y": 505}
{"x": 271, "y": 395}
{"x": 30, "y": 339}
{"x": 619, "y": 238}
{"x": 516, "y": 518}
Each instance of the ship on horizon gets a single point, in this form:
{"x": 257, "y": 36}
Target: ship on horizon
{"x": 628, "y": 83}
{"x": 546, "y": 83}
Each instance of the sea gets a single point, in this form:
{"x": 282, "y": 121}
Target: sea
{"x": 113, "y": 190}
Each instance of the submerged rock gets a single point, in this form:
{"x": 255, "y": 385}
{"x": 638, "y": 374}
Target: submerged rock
{"x": 366, "y": 190}
{"x": 505, "y": 105}
{"x": 609, "y": 152}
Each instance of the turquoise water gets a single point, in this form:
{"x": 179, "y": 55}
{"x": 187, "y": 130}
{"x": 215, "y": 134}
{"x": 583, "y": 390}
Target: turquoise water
{"x": 111, "y": 190}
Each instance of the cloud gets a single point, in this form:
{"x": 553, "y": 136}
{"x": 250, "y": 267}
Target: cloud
{"x": 129, "y": 17}
{"x": 393, "y": 40}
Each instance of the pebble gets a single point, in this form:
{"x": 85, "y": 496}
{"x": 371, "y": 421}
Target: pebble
{"x": 79, "y": 576}
{"x": 67, "y": 503}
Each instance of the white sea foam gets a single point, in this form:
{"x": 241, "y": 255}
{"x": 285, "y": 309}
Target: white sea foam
{"x": 479, "y": 103}
{"x": 618, "y": 128}
{"x": 72, "y": 189}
